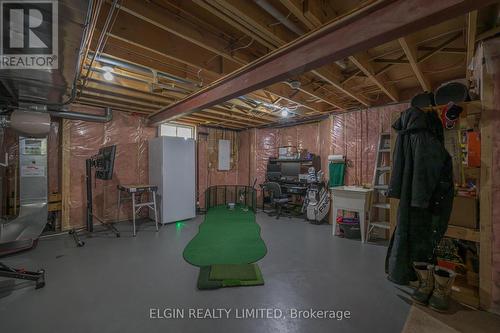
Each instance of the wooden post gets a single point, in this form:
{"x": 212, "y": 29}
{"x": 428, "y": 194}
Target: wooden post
{"x": 486, "y": 230}
{"x": 66, "y": 176}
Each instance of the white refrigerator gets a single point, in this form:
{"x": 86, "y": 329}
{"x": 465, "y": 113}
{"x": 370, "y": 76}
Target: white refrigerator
{"x": 172, "y": 166}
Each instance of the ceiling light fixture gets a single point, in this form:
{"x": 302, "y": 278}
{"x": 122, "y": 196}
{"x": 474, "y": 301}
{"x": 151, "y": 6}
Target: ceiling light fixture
{"x": 108, "y": 73}
{"x": 284, "y": 112}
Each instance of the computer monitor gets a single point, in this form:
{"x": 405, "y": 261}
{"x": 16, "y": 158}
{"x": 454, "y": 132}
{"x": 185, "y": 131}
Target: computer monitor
{"x": 273, "y": 167}
{"x": 290, "y": 170}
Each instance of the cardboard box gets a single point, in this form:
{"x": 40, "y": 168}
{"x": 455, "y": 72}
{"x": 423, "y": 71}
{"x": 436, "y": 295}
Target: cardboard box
{"x": 464, "y": 212}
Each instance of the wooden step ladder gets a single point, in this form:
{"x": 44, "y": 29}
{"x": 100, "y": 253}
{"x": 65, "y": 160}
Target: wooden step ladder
{"x": 380, "y": 206}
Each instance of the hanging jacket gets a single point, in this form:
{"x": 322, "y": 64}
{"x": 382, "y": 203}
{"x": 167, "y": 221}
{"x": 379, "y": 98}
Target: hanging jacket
{"x": 422, "y": 178}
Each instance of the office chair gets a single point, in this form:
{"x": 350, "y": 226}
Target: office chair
{"x": 278, "y": 199}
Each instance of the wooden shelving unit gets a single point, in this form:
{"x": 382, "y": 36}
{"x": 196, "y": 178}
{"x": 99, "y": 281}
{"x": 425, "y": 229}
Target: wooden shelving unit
{"x": 463, "y": 233}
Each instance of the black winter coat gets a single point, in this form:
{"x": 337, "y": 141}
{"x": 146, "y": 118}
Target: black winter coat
{"x": 422, "y": 178}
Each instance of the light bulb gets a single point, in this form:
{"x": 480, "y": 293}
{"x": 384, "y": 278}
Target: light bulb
{"x": 108, "y": 76}
{"x": 284, "y": 112}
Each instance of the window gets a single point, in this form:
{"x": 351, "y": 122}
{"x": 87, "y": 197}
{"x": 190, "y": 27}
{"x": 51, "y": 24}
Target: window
{"x": 181, "y": 131}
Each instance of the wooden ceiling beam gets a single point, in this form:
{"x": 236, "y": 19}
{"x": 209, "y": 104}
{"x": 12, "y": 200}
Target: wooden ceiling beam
{"x": 214, "y": 123}
{"x": 410, "y": 50}
{"x": 488, "y": 33}
{"x": 313, "y": 16}
{"x": 232, "y": 115}
{"x": 286, "y": 93}
{"x": 116, "y": 105}
{"x": 318, "y": 11}
{"x": 131, "y": 44}
{"x": 232, "y": 12}
{"x": 362, "y": 63}
{"x": 134, "y": 51}
{"x": 471, "y": 40}
{"x": 325, "y": 73}
{"x": 236, "y": 104}
{"x": 129, "y": 101}
{"x": 204, "y": 115}
{"x": 133, "y": 30}
{"x": 296, "y": 7}
{"x": 391, "y": 61}
{"x": 457, "y": 50}
{"x": 439, "y": 47}
{"x": 334, "y": 41}
{"x": 162, "y": 18}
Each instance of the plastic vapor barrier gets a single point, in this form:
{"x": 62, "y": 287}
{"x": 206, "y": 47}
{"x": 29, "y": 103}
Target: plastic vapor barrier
{"x": 130, "y": 135}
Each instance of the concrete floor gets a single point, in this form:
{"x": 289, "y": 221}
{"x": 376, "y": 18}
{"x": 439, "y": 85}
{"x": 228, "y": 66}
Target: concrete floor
{"x": 111, "y": 284}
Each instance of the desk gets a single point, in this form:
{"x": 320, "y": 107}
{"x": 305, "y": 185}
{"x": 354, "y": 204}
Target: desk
{"x": 133, "y": 190}
{"x": 351, "y": 198}
{"x": 288, "y": 188}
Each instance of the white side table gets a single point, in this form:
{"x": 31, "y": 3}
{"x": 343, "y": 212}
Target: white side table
{"x": 354, "y": 199}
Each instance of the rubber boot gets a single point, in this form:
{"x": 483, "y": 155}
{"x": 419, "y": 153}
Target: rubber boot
{"x": 440, "y": 299}
{"x": 425, "y": 276}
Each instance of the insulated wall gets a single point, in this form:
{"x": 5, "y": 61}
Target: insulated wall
{"x": 208, "y": 173}
{"x": 353, "y": 134}
{"x": 130, "y": 134}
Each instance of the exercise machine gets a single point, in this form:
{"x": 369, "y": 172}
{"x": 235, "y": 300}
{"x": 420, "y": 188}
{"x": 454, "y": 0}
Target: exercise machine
{"x": 22, "y": 274}
{"x": 102, "y": 163}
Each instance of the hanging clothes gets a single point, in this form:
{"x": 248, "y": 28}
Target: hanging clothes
{"x": 422, "y": 178}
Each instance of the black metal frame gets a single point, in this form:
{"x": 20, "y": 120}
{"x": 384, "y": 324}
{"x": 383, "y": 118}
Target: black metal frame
{"x": 230, "y": 193}
{"x": 89, "y": 163}
{"x": 21, "y": 274}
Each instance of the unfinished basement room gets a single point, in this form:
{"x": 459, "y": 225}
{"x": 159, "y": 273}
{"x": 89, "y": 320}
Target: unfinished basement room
{"x": 295, "y": 166}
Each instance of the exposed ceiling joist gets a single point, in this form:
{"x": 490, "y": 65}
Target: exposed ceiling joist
{"x": 362, "y": 63}
{"x": 326, "y": 73}
{"x": 439, "y": 47}
{"x": 313, "y": 19}
{"x": 458, "y": 50}
{"x": 160, "y": 17}
{"x": 410, "y": 50}
{"x": 349, "y": 35}
{"x": 471, "y": 39}
{"x": 238, "y": 14}
{"x": 296, "y": 7}
{"x": 130, "y": 40}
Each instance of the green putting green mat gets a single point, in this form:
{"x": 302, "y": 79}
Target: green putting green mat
{"x": 229, "y": 276}
{"x": 230, "y": 272}
{"x": 226, "y": 237}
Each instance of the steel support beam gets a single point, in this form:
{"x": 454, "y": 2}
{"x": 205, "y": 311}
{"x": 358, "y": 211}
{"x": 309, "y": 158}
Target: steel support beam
{"x": 337, "y": 40}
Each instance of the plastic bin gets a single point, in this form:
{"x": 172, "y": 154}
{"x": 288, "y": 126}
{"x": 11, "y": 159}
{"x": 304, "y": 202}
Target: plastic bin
{"x": 350, "y": 230}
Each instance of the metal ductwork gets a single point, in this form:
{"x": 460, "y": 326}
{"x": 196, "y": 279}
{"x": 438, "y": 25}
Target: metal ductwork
{"x": 34, "y": 121}
{"x": 51, "y": 86}
{"x": 264, "y": 4}
{"x": 34, "y": 95}
{"x": 31, "y": 124}
{"x": 62, "y": 113}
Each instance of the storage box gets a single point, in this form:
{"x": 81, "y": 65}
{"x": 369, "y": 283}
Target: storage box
{"x": 464, "y": 212}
